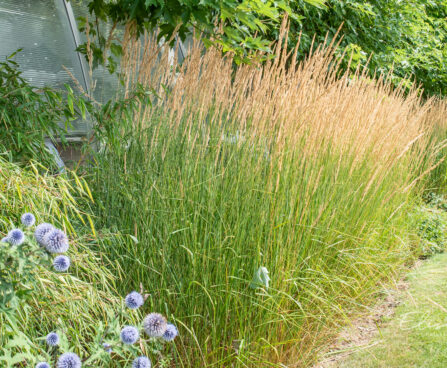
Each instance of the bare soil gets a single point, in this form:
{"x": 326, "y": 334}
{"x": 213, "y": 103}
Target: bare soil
{"x": 361, "y": 332}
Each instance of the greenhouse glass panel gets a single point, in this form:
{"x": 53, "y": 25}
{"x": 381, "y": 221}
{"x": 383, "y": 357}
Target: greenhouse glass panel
{"x": 43, "y": 30}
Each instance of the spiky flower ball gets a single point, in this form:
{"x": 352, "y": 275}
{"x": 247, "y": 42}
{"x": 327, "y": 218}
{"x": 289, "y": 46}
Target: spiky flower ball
{"x": 134, "y": 300}
{"x": 52, "y": 339}
{"x": 69, "y": 360}
{"x": 28, "y": 219}
{"x": 170, "y": 333}
{"x": 141, "y": 362}
{"x": 155, "y": 325}
{"x": 42, "y": 365}
{"x": 41, "y": 231}
{"x": 61, "y": 263}
{"x": 55, "y": 241}
{"x": 107, "y": 347}
{"x": 16, "y": 237}
{"x": 129, "y": 335}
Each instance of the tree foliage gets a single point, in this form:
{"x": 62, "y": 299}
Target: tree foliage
{"x": 239, "y": 26}
{"x": 406, "y": 37}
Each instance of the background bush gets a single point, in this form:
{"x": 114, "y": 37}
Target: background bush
{"x": 29, "y": 115}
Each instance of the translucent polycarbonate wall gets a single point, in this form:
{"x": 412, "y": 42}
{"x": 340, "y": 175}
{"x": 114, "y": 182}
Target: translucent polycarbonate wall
{"x": 103, "y": 85}
{"x": 47, "y": 32}
{"x": 43, "y": 30}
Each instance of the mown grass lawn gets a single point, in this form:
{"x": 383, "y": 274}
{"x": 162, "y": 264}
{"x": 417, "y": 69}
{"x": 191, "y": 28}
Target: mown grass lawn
{"x": 417, "y": 335}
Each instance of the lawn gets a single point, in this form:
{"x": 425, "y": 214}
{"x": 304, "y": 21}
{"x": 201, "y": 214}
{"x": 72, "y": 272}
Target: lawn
{"x": 416, "y": 336}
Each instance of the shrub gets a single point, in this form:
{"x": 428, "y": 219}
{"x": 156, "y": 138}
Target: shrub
{"x": 28, "y": 115}
{"x": 430, "y": 221}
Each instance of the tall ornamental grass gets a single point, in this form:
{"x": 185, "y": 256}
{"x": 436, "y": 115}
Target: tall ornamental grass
{"x": 299, "y": 168}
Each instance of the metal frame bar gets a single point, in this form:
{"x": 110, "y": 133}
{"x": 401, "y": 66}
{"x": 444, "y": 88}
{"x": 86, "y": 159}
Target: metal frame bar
{"x": 75, "y": 33}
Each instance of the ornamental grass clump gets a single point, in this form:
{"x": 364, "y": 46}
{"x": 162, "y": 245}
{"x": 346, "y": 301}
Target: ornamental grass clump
{"x": 299, "y": 169}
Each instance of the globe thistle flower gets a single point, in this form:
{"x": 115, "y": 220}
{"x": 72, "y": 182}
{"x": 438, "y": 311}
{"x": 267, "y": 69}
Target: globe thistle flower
{"x": 55, "y": 241}
{"x": 107, "y": 347}
{"x": 69, "y": 360}
{"x": 61, "y": 263}
{"x": 42, "y": 365}
{"x": 154, "y": 325}
{"x": 28, "y": 219}
{"x": 52, "y": 339}
{"x": 170, "y": 333}
{"x": 16, "y": 237}
{"x": 41, "y": 231}
{"x": 129, "y": 335}
{"x": 134, "y": 300}
{"x": 141, "y": 362}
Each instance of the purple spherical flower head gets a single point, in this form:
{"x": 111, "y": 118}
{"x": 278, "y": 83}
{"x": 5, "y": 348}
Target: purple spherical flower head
{"x": 41, "y": 231}
{"x": 55, "y": 241}
{"x": 69, "y": 360}
{"x": 154, "y": 325}
{"x": 52, "y": 339}
{"x": 16, "y": 237}
{"x": 61, "y": 263}
{"x": 129, "y": 335}
{"x": 28, "y": 219}
{"x": 141, "y": 362}
{"x": 107, "y": 347}
{"x": 42, "y": 365}
{"x": 134, "y": 300}
{"x": 170, "y": 333}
